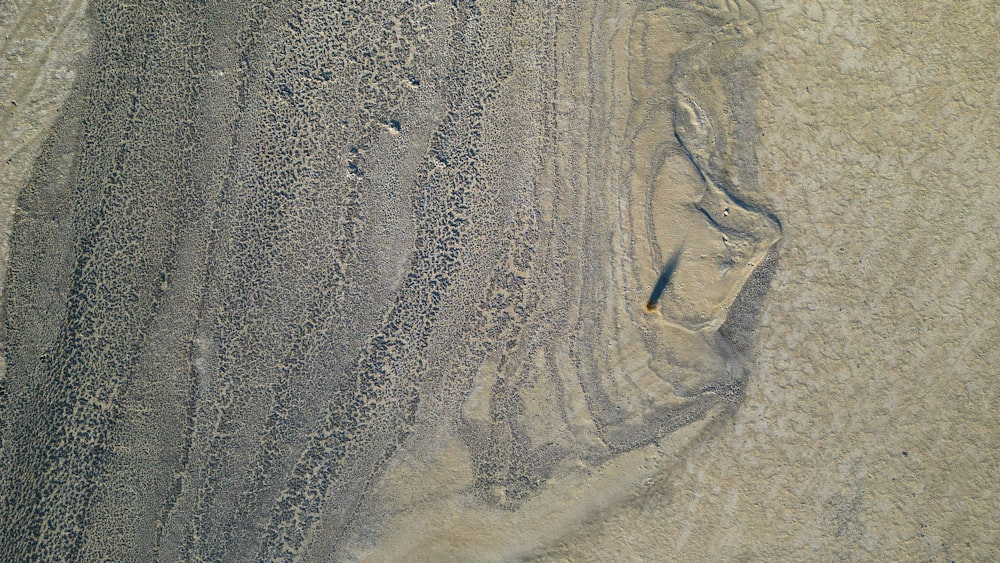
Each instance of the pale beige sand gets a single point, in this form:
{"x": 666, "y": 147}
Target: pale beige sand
{"x": 42, "y": 41}
{"x": 870, "y": 430}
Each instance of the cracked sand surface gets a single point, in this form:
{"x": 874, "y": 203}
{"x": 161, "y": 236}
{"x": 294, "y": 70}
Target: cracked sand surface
{"x": 394, "y": 307}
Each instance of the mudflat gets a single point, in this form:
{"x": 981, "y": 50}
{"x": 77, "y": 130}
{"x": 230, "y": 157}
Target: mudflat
{"x": 499, "y": 281}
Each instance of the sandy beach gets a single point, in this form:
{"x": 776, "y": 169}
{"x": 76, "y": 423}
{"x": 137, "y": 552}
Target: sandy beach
{"x": 500, "y": 281}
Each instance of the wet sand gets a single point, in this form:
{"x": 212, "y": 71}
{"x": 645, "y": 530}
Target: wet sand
{"x": 323, "y": 283}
